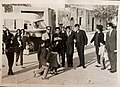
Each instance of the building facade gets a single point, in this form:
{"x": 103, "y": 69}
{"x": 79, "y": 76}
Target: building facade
{"x": 82, "y": 15}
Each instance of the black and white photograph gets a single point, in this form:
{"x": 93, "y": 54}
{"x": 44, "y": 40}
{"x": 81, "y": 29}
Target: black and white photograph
{"x": 65, "y": 44}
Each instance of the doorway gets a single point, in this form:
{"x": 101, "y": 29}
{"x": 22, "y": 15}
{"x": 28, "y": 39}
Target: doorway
{"x": 80, "y": 20}
{"x": 93, "y": 24}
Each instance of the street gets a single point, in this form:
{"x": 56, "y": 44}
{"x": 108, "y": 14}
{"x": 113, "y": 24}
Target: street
{"x": 70, "y": 76}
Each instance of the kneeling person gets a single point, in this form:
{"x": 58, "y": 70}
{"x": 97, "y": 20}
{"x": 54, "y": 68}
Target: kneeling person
{"x": 43, "y": 61}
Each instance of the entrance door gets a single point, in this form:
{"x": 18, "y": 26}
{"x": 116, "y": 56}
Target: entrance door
{"x": 93, "y": 24}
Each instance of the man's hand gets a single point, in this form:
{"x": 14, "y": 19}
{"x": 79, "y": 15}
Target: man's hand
{"x": 47, "y": 64}
{"x": 74, "y": 41}
{"x": 115, "y": 51}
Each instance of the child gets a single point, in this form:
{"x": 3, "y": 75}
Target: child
{"x": 43, "y": 61}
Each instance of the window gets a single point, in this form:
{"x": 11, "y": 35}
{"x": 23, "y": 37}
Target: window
{"x": 39, "y": 24}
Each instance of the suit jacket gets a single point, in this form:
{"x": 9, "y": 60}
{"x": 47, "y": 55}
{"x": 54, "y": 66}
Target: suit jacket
{"x": 81, "y": 38}
{"x": 70, "y": 38}
{"x": 16, "y": 45}
{"x": 111, "y": 41}
{"x": 70, "y": 43}
{"x": 98, "y": 39}
{"x": 9, "y": 43}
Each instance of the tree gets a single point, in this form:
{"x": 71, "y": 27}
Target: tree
{"x": 106, "y": 11}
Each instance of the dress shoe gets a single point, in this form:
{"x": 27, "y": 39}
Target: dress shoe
{"x": 79, "y": 65}
{"x": 35, "y": 74}
{"x": 10, "y": 73}
{"x": 113, "y": 71}
{"x": 43, "y": 78}
{"x": 102, "y": 68}
{"x": 109, "y": 69}
{"x": 22, "y": 66}
{"x": 98, "y": 65}
{"x": 84, "y": 67}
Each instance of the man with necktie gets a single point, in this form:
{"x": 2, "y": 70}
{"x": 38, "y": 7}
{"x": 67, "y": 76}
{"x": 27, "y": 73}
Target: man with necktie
{"x": 111, "y": 46}
{"x": 81, "y": 41}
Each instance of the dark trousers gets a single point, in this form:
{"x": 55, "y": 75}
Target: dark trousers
{"x": 38, "y": 56}
{"x": 63, "y": 57}
{"x": 69, "y": 54}
{"x": 21, "y": 57}
{"x": 10, "y": 58}
{"x": 80, "y": 50}
{"x": 113, "y": 60}
{"x": 97, "y": 53}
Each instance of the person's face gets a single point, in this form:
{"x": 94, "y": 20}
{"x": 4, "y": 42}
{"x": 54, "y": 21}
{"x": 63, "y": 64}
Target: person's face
{"x": 18, "y": 31}
{"x": 68, "y": 29}
{"x": 62, "y": 29}
{"x": 22, "y": 31}
{"x": 43, "y": 44}
{"x": 7, "y": 31}
{"x": 108, "y": 27}
{"x": 57, "y": 31}
{"x": 76, "y": 28}
{"x": 48, "y": 30}
{"x": 97, "y": 30}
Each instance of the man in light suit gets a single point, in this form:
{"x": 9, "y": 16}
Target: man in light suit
{"x": 111, "y": 46}
{"x": 81, "y": 41}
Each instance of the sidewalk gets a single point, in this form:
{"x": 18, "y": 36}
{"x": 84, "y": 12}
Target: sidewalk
{"x": 71, "y": 76}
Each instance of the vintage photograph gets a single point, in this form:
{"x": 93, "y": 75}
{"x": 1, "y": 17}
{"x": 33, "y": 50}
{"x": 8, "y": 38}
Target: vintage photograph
{"x": 72, "y": 45}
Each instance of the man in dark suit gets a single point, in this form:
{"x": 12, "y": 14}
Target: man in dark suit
{"x": 70, "y": 45}
{"x": 81, "y": 41}
{"x": 111, "y": 46}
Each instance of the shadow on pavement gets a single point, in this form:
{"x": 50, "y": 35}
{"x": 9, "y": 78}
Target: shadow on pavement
{"x": 89, "y": 59}
{"x": 28, "y": 68}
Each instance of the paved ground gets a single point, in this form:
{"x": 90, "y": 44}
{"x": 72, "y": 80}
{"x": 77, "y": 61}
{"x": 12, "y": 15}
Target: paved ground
{"x": 71, "y": 76}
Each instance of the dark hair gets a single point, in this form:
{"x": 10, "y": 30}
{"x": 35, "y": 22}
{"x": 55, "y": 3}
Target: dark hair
{"x": 18, "y": 30}
{"x": 57, "y": 28}
{"x": 7, "y": 30}
{"x": 77, "y": 25}
{"x": 68, "y": 27}
{"x": 48, "y": 27}
{"x": 111, "y": 25}
{"x": 23, "y": 30}
{"x": 99, "y": 27}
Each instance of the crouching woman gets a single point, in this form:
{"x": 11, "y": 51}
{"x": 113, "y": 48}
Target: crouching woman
{"x": 43, "y": 61}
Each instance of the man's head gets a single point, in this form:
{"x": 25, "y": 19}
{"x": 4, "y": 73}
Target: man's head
{"x": 42, "y": 43}
{"x": 57, "y": 30}
{"x": 68, "y": 28}
{"x": 18, "y": 31}
{"x": 48, "y": 29}
{"x": 23, "y": 31}
{"x": 99, "y": 28}
{"x": 110, "y": 26}
{"x": 77, "y": 26}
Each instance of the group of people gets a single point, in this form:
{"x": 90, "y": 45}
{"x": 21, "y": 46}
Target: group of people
{"x": 58, "y": 44}
{"x": 55, "y": 45}
{"x": 109, "y": 46}
{"x": 62, "y": 42}
{"x": 14, "y": 44}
